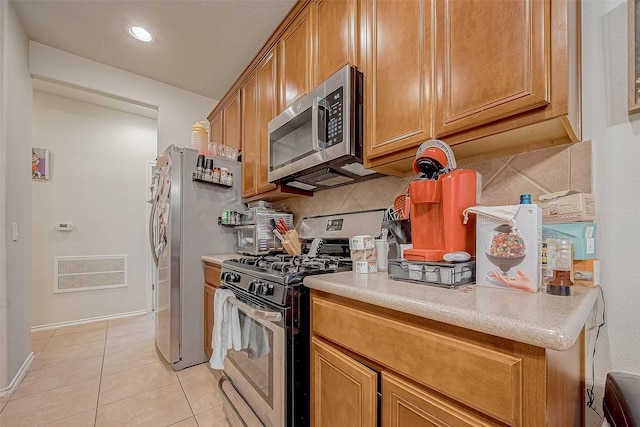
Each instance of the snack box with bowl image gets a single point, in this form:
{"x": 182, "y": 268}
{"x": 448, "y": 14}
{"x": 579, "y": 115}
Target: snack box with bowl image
{"x": 509, "y": 252}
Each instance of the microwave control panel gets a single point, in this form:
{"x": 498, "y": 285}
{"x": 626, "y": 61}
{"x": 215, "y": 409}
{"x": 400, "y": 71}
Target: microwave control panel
{"x": 335, "y": 101}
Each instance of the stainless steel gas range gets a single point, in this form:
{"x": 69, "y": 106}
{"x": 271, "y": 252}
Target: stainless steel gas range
{"x": 267, "y": 382}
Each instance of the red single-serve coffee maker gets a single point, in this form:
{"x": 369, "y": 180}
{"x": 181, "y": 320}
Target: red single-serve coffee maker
{"x": 437, "y": 201}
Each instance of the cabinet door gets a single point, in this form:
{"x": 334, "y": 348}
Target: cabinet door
{"x": 491, "y": 61}
{"x": 250, "y": 136}
{"x": 404, "y": 404}
{"x": 295, "y": 60}
{"x": 231, "y": 118}
{"x": 343, "y": 391}
{"x": 335, "y": 36}
{"x": 209, "y": 292}
{"x": 398, "y": 75}
{"x": 215, "y": 132}
{"x": 267, "y": 83}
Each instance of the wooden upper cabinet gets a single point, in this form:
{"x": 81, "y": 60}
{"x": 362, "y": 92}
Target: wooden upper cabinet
{"x": 259, "y": 103}
{"x": 215, "y": 132}
{"x": 295, "y": 60}
{"x": 335, "y": 37}
{"x": 231, "y": 119}
{"x": 398, "y": 75}
{"x": 491, "y": 61}
{"x": 250, "y": 136}
{"x": 267, "y": 85}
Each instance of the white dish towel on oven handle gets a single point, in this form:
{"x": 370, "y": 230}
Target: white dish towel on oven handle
{"x": 226, "y": 328}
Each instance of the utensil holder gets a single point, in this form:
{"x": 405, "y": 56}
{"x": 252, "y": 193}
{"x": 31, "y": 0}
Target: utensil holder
{"x": 292, "y": 243}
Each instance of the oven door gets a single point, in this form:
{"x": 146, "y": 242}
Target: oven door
{"x": 258, "y": 371}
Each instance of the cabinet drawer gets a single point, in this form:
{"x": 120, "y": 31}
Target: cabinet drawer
{"x": 212, "y": 274}
{"x": 482, "y": 378}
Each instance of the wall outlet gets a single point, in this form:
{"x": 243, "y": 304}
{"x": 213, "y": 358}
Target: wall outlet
{"x": 64, "y": 226}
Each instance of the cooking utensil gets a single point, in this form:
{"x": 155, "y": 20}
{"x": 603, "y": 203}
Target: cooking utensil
{"x": 278, "y": 235}
{"x": 284, "y": 225}
{"x": 314, "y": 249}
{"x": 277, "y": 226}
{"x": 399, "y": 204}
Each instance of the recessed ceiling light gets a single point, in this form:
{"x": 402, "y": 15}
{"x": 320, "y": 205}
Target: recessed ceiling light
{"x": 140, "y": 34}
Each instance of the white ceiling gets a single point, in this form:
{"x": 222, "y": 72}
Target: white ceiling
{"x": 200, "y": 46}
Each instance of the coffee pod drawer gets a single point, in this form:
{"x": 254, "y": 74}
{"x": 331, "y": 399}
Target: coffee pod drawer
{"x": 443, "y": 274}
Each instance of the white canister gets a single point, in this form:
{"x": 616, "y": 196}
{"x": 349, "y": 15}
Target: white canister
{"x": 363, "y": 254}
{"x": 382, "y": 252}
{"x": 361, "y": 242}
{"x": 366, "y": 267}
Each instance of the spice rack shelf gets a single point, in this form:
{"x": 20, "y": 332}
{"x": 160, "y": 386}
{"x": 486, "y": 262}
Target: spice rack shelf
{"x": 226, "y": 225}
{"x": 220, "y": 184}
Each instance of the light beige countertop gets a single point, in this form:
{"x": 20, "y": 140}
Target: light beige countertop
{"x": 538, "y": 319}
{"x": 217, "y": 259}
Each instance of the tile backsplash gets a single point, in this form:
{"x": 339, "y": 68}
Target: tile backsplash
{"x": 503, "y": 180}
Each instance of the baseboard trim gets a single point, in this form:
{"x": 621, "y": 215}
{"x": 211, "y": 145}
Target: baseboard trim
{"x": 22, "y": 372}
{"x": 87, "y": 320}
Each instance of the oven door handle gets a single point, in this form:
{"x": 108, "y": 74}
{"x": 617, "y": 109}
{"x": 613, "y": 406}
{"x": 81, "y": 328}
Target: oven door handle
{"x": 269, "y": 316}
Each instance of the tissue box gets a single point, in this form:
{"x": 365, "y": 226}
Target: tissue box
{"x": 567, "y": 206}
{"x": 517, "y": 263}
{"x": 582, "y": 235}
{"x": 586, "y": 273}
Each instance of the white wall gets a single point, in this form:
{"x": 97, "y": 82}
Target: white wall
{"x": 177, "y": 109}
{"x": 616, "y": 156}
{"x": 98, "y": 182}
{"x": 15, "y": 198}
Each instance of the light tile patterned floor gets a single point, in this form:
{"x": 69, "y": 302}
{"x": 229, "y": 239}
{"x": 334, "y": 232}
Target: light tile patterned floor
{"x": 109, "y": 373}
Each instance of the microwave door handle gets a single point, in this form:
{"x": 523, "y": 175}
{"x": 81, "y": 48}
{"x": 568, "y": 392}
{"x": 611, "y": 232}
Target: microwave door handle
{"x": 270, "y": 316}
{"x": 318, "y": 103}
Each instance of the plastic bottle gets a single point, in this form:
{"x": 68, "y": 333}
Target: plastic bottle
{"x": 525, "y": 199}
{"x": 200, "y": 138}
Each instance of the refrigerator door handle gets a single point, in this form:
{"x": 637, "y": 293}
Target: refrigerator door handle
{"x": 151, "y": 239}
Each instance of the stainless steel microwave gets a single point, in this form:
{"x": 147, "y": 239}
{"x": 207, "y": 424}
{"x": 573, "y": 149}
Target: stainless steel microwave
{"x": 316, "y": 143}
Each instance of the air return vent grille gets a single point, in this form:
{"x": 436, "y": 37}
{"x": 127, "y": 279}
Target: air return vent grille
{"x": 87, "y": 273}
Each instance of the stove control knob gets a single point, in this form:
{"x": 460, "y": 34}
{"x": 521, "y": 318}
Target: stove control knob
{"x": 252, "y": 287}
{"x": 232, "y": 277}
{"x": 260, "y": 289}
{"x": 268, "y": 289}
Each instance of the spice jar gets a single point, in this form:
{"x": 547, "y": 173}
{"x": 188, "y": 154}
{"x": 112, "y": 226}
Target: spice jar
{"x": 215, "y": 174}
{"x": 224, "y": 175}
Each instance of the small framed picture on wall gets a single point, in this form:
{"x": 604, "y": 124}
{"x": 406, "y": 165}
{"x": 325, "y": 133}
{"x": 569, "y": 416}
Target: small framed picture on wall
{"x": 39, "y": 163}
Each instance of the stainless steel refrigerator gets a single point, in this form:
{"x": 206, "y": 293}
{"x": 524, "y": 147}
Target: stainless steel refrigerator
{"x": 183, "y": 226}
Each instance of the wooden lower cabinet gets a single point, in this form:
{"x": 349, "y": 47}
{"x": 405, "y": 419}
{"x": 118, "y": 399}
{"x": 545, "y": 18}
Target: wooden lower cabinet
{"x": 429, "y": 373}
{"x": 407, "y": 404}
{"x": 212, "y": 281}
{"x": 344, "y": 392}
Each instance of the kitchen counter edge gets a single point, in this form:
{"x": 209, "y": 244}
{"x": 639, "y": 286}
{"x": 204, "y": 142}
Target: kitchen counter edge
{"x": 538, "y": 319}
{"x": 218, "y": 259}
